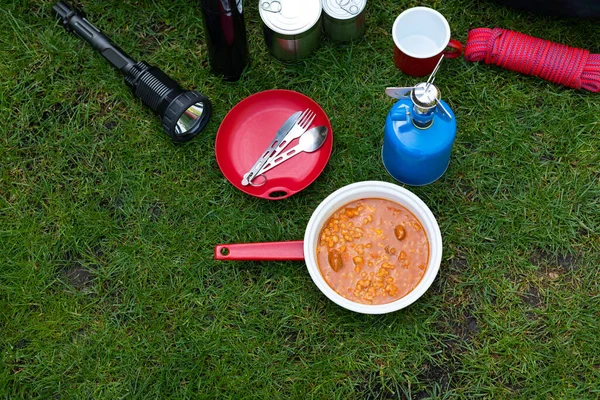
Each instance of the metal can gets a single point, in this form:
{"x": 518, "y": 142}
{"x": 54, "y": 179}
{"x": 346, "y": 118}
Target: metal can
{"x": 344, "y": 20}
{"x": 292, "y": 28}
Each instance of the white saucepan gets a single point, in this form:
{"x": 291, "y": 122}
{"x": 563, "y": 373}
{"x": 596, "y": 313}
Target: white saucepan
{"x": 307, "y": 249}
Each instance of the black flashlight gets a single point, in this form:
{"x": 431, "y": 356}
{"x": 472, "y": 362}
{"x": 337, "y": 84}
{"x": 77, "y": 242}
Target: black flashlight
{"x": 184, "y": 113}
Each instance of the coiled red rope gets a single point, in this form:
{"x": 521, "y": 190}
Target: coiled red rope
{"x": 569, "y": 66}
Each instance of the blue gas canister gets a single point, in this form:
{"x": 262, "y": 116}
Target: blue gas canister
{"x": 419, "y": 134}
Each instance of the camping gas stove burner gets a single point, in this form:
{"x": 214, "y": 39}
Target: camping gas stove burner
{"x": 419, "y": 133}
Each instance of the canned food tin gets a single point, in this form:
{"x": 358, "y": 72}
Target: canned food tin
{"x": 292, "y": 28}
{"x": 344, "y": 20}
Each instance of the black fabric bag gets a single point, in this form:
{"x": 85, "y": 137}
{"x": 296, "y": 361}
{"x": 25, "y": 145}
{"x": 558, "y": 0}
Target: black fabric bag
{"x": 563, "y": 8}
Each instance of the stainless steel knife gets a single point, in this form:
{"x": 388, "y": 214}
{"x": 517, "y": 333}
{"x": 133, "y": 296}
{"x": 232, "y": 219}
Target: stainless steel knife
{"x": 285, "y": 128}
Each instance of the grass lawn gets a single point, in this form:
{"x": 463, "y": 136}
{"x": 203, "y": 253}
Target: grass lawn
{"x": 108, "y": 287}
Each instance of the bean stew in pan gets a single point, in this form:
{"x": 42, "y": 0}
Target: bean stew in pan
{"x": 372, "y": 251}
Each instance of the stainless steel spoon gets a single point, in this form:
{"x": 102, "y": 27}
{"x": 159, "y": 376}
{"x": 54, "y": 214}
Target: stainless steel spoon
{"x": 309, "y": 142}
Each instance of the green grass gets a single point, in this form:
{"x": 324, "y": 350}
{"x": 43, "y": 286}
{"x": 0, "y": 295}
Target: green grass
{"x": 108, "y": 287}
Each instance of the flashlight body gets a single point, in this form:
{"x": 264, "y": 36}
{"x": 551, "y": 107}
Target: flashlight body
{"x": 225, "y": 35}
{"x": 184, "y": 113}
{"x": 77, "y": 23}
{"x": 152, "y": 86}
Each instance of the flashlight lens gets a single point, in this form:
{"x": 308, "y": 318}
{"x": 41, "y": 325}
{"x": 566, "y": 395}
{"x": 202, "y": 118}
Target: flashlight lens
{"x": 186, "y": 115}
{"x": 189, "y": 119}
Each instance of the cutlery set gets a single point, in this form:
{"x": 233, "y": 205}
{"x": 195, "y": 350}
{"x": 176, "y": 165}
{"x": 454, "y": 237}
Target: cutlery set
{"x": 295, "y": 127}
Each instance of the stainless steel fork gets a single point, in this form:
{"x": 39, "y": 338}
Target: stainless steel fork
{"x": 306, "y": 119}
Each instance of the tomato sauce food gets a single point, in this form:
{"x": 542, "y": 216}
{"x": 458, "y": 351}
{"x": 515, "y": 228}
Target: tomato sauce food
{"x": 373, "y": 251}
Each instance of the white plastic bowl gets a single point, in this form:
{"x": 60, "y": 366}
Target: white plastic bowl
{"x": 381, "y": 190}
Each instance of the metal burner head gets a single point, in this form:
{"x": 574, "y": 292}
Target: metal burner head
{"x": 425, "y": 96}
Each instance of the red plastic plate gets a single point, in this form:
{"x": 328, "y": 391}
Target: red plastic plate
{"x": 248, "y": 129}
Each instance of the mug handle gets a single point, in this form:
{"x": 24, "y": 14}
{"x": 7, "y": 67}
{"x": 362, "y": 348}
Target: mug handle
{"x": 456, "y": 51}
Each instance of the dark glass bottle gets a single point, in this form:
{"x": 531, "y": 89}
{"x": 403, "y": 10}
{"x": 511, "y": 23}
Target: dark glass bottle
{"x": 225, "y": 33}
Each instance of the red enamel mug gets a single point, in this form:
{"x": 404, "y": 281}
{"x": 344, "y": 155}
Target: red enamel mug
{"x": 421, "y": 36}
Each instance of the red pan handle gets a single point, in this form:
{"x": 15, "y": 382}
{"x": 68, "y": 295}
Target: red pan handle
{"x": 282, "y": 251}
